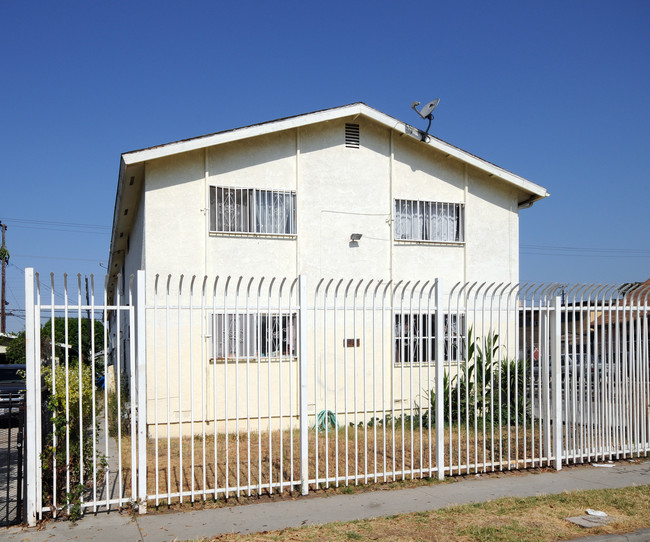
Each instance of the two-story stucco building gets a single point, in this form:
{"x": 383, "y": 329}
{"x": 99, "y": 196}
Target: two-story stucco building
{"x": 347, "y": 192}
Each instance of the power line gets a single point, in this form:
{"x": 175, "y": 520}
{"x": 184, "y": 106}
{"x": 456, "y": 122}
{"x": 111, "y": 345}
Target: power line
{"x": 51, "y": 225}
{"x": 42, "y": 284}
{"x": 55, "y": 223}
{"x": 569, "y": 255}
{"x": 13, "y": 294}
{"x": 588, "y": 249}
{"x": 56, "y": 258}
{"x": 12, "y": 315}
{"x": 584, "y": 252}
{"x": 48, "y": 228}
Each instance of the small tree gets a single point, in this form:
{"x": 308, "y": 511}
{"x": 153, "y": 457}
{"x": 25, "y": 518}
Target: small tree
{"x": 16, "y": 351}
{"x": 77, "y": 349}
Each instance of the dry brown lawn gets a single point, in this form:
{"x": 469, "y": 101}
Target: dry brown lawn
{"x": 252, "y": 462}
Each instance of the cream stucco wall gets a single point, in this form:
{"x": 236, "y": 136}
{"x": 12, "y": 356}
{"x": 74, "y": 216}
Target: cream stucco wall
{"x": 339, "y": 191}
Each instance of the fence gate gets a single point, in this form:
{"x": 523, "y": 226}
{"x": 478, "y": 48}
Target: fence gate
{"x": 82, "y": 389}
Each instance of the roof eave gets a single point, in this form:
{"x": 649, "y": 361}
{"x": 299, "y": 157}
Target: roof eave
{"x": 237, "y": 134}
{"x": 118, "y": 197}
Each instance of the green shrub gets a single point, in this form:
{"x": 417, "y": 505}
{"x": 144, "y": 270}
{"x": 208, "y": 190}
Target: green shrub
{"x": 484, "y": 388}
{"x": 67, "y": 451}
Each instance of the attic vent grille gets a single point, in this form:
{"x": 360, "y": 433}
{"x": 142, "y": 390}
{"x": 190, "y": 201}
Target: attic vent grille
{"x": 352, "y": 136}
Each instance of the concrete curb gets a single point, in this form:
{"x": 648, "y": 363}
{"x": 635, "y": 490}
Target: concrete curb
{"x": 637, "y": 536}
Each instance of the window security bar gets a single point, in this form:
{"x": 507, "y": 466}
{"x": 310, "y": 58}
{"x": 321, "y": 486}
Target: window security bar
{"x": 249, "y": 210}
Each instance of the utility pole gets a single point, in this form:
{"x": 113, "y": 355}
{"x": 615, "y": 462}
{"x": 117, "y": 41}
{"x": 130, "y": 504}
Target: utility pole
{"x": 4, "y": 256}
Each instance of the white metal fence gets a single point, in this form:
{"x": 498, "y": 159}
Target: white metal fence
{"x": 195, "y": 388}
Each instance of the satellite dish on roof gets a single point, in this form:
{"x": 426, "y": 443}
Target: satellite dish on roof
{"x": 427, "y": 109}
{"x": 426, "y": 113}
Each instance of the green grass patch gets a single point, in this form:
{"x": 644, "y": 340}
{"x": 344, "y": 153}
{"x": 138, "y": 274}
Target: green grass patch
{"x": 531, "y": 519}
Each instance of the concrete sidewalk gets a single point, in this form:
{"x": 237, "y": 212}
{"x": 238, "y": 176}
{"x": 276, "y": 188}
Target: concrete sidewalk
{"x": 305, "y": 511}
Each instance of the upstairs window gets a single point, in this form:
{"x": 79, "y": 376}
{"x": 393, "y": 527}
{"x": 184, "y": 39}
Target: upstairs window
{"x": 248, "y": 210}
{"x": 429, "y": 221}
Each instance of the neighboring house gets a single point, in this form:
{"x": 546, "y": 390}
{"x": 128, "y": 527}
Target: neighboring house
{"x": 601, "y": 322}
{"x": 625, "y": 321}
{"x": 348, "y": 192}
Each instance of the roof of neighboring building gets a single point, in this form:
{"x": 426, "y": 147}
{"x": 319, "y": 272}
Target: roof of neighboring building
{"x": 631, "y": 305}
{"x": 6, "y": 339}
{"x": 132, "y": 162}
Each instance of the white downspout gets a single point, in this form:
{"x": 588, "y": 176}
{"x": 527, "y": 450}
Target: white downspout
{"x": 298, "y": 197}
{"x": 465, "y": 194}
{"x": 206, "y": 195}
{"x": 390, "y": 206}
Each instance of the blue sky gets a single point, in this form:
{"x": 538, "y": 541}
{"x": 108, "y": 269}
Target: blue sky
{"x": 556, "y": 92}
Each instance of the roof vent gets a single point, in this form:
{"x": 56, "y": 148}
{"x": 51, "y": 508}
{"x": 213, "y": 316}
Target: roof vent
{"x": 352, "y": 136}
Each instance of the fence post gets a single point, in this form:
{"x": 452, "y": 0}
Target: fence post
{"x": 302, "y": 378}
{"x": 141, "y": 392}
{"x": 556, "y": 379}
{"x": 440, "y": 389}
{"x": 32, "y": 401}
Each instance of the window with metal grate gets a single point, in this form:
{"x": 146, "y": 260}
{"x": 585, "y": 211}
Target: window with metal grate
{"x": 352, "y": 136}
{"x": 249, "y": 210}
{"x": 429, "y": 221}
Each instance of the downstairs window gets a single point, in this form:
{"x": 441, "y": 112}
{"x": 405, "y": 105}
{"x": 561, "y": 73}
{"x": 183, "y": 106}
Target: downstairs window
{"x": 253, "y": 335}
{"x": 415, "y": 340}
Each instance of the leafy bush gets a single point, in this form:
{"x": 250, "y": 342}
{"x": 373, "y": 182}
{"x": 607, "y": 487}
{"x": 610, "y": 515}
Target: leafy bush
{"x": 67, "y": 451}
{"x": 483, "y": 386}
{"x": 472, "y": 396}
{"x": 16, "y": 352}
{"x": 514, "y": 402}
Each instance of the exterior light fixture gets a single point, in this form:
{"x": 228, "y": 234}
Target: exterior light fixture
{"x": 355, "y": 237}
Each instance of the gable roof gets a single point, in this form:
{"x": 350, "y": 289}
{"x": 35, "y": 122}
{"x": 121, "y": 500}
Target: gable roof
{"x": 132, "y": 163}
{"x": 356, "y": 109}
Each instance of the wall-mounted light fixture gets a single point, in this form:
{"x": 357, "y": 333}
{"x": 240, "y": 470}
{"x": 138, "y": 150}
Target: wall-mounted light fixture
{"x": 355, "y": 237}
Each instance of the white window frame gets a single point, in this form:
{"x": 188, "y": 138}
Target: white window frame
{"x": 248, "y": 336}
{"x": 252, "y": 211}
{"x": 429, "y": 221}
{"x": 410, "y": 346}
